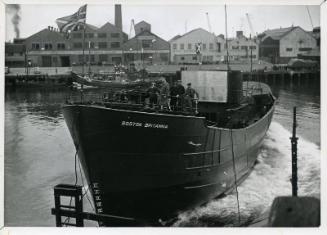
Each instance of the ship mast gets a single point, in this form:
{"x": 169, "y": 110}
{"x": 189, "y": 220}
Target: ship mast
{"x": 84, "y": 27}
{"x": 226, "y": 40}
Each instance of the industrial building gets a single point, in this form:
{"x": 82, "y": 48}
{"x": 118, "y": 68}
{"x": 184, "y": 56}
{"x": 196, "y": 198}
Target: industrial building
{"x": 145, "y": 47}
{"x": 51, "y": 48}
{"x": 241, "y": 48}
{"x": 280, "y": 45}
{"x": 211, "y": 48}
{"x": 184, "y": 48}
{"x": 15, "y": 54}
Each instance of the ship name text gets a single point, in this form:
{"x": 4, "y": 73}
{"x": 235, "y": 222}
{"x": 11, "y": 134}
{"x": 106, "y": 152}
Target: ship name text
{"x": 144, "y": 125}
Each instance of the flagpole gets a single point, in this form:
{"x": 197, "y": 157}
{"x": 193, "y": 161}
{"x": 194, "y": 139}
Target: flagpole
{"x": 89, "y": 71}
{"x": 83, "y": 47}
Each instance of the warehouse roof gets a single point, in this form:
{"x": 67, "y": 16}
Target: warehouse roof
{"x": 158, "y": 44}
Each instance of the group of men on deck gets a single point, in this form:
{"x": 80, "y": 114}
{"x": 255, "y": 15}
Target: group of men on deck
{"x": 175, "y": 98}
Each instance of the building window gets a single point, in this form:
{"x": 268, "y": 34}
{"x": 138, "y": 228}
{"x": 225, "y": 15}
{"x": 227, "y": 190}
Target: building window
{"x": 77, "y": 45}
{"x": 218, "y": 46}
{"x": 102, "y": 35}
{"x": 115, "y": 44}
{"x": 102, "y": 45}
{"x": 189, "y": 46}
{"x": 87, "y": 58}
{"x": 103, "y": 58}
{"x": 244, "y": 47}
{"x": 116, "y": 60}
{"x": 182, "y": 58}
{"x": 35, "y": 46}
{"x": 164, "y": 57}
{"x": 181, "y": 46}
{"x": 86, "y": 45}
{"x": 89, "y": 35}
{"x": 80, "y": 58}
{"x": 305, "y": 49}
{"x": 61, "y": 46}
{"x": 211, "y": 46}
{"x": 146, "y": 43}
{"x": 174, "y": 46}
{"x": 253, "y": 56}
{"x": 235, "y": 47}
{"x": 204, "y": 46}
{"x": 289, "y": 49}
{"x": 253, "y": 47}
{"x": 194, "y": 58}
{"x": 47, "y": 46}
{"x": 115, "y": 35}
{"x": 77, "y": 35}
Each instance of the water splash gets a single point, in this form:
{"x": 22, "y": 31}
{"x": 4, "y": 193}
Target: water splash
{"x": 269, "y": 179}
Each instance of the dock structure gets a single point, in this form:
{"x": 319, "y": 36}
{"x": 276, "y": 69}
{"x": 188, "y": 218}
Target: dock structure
{"x": 291, "y": 78}
{"x": 38, "y": 80}
{"x": 75, "y": 211}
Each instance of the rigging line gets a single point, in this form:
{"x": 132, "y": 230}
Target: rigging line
{"x": 85, "y": 193}
{"x": 75, "y": 164}
{"x": 76, "y": 180}
{"x": 235, "y": 178}
{"x": 76, "y": 176}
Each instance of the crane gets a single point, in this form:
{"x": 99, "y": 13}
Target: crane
{"x": 131, "y": 28}
{"x": 309, "y": 16}
{"x": 250, "y": 24}
{"x": 208, "y": 20}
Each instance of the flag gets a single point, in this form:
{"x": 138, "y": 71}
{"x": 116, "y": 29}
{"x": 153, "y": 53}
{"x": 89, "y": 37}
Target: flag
{"x": 73, "y": 21}
{"x": 198, "y": 48}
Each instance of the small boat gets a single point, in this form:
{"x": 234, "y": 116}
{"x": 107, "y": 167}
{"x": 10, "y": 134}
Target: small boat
{"x": 96, "y": 80}
{"x": 152, "y": 163}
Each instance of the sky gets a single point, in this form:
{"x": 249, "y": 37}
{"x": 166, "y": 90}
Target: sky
{"x": 168, "y": 21}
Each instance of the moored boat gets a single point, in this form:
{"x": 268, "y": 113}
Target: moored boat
{"x": 152, "y": 163}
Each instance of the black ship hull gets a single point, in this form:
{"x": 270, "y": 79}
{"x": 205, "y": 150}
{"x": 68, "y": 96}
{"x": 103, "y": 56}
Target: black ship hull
{"x": 151, "y": 166}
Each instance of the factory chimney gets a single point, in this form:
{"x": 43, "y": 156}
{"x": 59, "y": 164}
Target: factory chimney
{"x": 118, "y": 18}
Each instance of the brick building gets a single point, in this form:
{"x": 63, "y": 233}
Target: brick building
{"x": 105, "y": 44}
{"x": 281, "y": 45}
{"x": 15, "y": 54}
{"x": 50, "y": 48}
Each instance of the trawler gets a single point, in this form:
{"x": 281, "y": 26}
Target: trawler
{"x": 151, "y": 163}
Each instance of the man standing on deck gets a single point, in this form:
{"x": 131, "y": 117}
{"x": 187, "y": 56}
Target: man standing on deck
{"x": 190, "y": 96}
{"x": 164, "y": 94}
{"x": 176, "y": 93}
{"x": 153, "y": 93}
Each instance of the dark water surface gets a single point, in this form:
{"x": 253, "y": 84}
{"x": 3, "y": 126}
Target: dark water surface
{"x": 39, "y": 154}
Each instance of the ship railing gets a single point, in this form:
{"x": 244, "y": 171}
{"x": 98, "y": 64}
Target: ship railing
{"x": 137, "y": 100}
{"x": 84, "y": 98}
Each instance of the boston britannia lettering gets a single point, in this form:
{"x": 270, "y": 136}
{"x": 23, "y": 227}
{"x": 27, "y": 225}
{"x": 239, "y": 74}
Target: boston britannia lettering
{"x": 145, "y": 125}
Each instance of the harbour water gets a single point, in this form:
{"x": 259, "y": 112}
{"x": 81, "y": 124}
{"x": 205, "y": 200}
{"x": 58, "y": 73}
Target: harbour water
{"x": 39, "y": 154}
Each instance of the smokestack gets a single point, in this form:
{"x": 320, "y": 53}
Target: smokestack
{"x": 118, "y": 17}
{"x": 14, "y": 9}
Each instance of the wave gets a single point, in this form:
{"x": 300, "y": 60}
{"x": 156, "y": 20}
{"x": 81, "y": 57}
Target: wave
{"x": 270, "y": 178}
